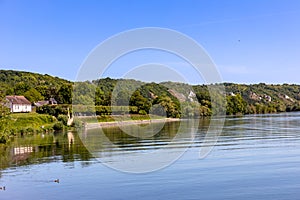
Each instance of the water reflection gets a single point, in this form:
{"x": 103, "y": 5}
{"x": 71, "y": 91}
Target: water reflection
{"x": 256, "y": 157}
{"x": 70, "y": 139}
{"x": 253, "y": 131}
{"x": 43, "y": 148}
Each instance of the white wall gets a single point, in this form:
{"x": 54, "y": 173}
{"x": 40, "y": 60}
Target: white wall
{"x": 20, "y": 108}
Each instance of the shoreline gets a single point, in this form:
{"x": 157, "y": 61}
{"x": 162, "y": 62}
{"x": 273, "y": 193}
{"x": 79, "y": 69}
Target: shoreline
{"x": 127, "y": 123}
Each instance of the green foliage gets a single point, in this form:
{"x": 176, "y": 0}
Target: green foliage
{"x": 84, "y": 93}
{"x": 77, "y": 123}
{"x": 235, "y": 105}
{"x": 35, "y": 86}
{"x": 4, "y": 131}
{"x": 54, "y": 110}
{"x": 64, "y": 94}
{"x": 63, "y": 119}
{"x": 142, "y": 103}
{"x": 103, "y": 110}
{"x": 107, "y": 92}
{"x": 33, "y": 95}
{"x": 24, "y": 123}
{"x": 170, "y": 107}
{"x": 267, "y": 98}
{"x": 4, "y": 110}
{"x": 58, "y": 126}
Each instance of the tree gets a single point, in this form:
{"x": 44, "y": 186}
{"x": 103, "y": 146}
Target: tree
{"x": 140, "y": 102}
{"x": 99, "y": 97}
{"x": 122, "y": 98}
{"x": 64, "y": 95}
{"x": 84, "y": 93}
{"x": 169, "y": 106}
{"x": 235, "y": 105}
{"x": 33, "y": 95}
{"x": 20, "y": 88}
{"x": 4, "y": 110}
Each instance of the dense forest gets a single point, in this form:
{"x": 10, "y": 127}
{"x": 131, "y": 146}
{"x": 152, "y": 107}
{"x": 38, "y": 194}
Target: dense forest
{"x": 112, "y": 96}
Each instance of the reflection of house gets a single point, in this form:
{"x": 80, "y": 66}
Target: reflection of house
{"x": 18, "y": 104}
{"x": 51, "y": 101}
{"x": 21, "y": 154}
{"x": 22, "y": 150}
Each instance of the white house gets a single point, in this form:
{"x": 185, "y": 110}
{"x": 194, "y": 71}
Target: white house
{"x": 18, "y": 104}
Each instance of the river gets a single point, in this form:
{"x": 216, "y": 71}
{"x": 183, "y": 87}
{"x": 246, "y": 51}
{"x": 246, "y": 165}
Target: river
{"x": 256, "y": 157}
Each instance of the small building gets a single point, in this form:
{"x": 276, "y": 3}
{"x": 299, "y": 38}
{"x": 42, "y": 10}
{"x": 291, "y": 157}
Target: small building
{"x": 18, "y": 104}
{"x": 41, "y": 103}
{"x": 268, "y": 98}
{"x": 51, "y": 101}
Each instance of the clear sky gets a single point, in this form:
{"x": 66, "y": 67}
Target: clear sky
{"x": 250, "y": 41}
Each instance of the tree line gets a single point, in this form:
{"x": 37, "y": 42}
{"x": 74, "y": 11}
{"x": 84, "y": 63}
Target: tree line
{"x": 170, "y": 99}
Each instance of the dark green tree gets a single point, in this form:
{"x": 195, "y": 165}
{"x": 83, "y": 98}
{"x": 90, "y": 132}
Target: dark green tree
{"x": 64, "y": 95}
{"x": 171, "y": 109}
{"x": 4, "y": 110}
{"x": 122, "y": 98}
{"x": 20, "y": 88}
{"x": 33, "y": 95}
{"x": 235, "y": 105}
{"x": 140, "y": 102}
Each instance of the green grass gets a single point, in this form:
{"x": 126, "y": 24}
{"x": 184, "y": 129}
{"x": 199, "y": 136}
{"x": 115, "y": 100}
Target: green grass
{"x": 25, "y": 123}
{"x": 31, "y": 123}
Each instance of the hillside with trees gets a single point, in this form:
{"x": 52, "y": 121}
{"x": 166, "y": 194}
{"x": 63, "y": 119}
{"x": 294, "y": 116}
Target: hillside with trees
{"x": 35, "y": 86}
{"x": 168, "y": 98}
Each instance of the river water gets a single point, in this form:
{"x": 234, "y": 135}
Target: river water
{"x": 256, "y": 157}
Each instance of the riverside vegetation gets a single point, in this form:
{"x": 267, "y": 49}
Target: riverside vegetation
{"x": 107, "y": 97}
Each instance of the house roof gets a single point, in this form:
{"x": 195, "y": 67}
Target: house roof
{"x": 18, "y": 100}
{"x": 41, "y": 103}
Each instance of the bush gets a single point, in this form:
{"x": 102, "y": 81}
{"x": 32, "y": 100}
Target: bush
{"x": 77, "y": 123}
{"x": 142, "y": 112}
{"x": 63, "y": 119}
{"x": 53, "y": 110}
{"x": 58, "y": 126}
{"x": 30, "y": 130}
{"x": 3, "y": 139}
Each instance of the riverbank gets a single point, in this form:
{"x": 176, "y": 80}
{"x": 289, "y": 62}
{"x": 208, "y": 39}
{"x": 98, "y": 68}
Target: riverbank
{"x": 21, "y": 124}
{"x": 128, "y": 122}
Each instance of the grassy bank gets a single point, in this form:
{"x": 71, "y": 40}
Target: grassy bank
{"x": 112, "y": 118}
{"x": 25, "y": 123}
{"x": 17, "y": 124}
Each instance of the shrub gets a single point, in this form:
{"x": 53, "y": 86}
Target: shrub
{"x": 58, "y": 126}
{"x": 29, "y": 130}
{"x": 77, "y": 123}
{"x": 63, "y": 119}
{"x": 142, "y": 112}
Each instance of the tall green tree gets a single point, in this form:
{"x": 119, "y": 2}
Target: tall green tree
{"x": 4, "y": 110}
{"x": 140, "y": 102}
{"x": 171, "y": 108}
{"x": 235, "y": 105}
{"x": 33, "y": 95}
{"x": 64, "y": 94}
{"x": 122, "y": 98}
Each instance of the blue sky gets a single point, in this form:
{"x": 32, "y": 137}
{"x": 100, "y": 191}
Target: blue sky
{"x": 250, "y": 41}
